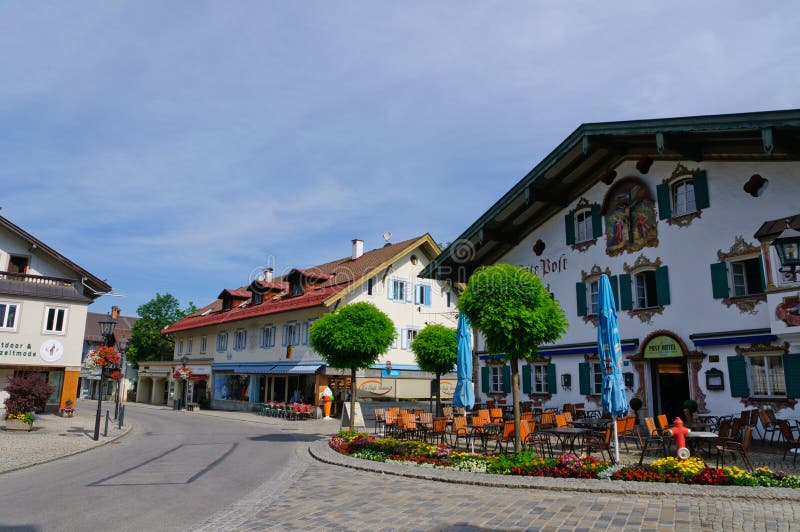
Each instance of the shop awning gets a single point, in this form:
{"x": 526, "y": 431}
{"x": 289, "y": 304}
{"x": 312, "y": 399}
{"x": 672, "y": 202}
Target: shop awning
{"x": 745, "y": 336}
{"x": 294, "y": 370}
{"x": 259, "y": 369}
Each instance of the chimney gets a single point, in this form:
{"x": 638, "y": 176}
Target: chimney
{"x": 114, "y": 313}
{"x": 268, "y": 275}
{"x": 358, "y": 248}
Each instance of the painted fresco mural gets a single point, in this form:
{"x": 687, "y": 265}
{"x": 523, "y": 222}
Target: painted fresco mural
{"x": 630, "y": 217}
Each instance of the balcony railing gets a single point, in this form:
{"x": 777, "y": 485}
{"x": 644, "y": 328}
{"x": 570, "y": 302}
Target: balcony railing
{"x": 36, "y": 279}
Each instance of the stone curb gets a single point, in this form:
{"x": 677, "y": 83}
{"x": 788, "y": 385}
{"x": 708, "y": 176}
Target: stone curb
{"x": 323, "y": 453}
{"x": 125, "y": 432}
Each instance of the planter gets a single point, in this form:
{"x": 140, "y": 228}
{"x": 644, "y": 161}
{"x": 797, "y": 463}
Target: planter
{"x": 18, "y": 424}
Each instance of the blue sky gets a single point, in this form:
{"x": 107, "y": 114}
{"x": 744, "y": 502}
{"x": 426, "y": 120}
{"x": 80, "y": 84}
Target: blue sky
{"x": 175, "y": 146}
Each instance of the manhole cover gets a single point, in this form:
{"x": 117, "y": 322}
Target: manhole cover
{"x": 70, "y": 435}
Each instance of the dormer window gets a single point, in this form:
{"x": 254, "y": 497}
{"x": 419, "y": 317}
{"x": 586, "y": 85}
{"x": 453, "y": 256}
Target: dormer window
{"x": 258, "y": 298}
{"x": 297, "y": 289}
{"x": 226, "y": 303}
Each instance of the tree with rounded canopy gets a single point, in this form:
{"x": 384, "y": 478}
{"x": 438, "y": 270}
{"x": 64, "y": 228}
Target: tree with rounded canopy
{"x": 436, "y": 350}
{"x": 147, "y": 341}
{"x": 516, "y": 314}
{"x": 352, "y": 337}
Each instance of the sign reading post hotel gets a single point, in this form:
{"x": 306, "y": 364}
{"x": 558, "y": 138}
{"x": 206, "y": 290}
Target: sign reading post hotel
{"x": 663, "y": 346}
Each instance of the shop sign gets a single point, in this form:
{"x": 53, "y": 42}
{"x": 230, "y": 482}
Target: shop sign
{"x": 663, "y": 346}
{"x": 16, "y": 349}
{"x": 376, "y": 387}
{"x": 548, "y": 265}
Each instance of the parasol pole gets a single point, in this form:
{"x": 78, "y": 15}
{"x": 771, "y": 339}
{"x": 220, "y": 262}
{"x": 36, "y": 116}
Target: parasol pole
{"x": 616, "y": 440}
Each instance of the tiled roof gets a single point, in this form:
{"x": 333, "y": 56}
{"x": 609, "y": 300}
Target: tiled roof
{"x": 121, "y": 330}
{"x": 273, "y": 286}
{"x": 337, "y": 276}
{"x": 239, "y": 293}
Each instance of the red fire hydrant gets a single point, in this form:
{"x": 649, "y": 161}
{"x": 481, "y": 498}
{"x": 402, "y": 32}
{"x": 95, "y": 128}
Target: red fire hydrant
{"x": 679, "y": 432}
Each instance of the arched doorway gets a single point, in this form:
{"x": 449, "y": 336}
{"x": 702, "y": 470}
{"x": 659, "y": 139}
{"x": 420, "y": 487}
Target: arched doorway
{"x": 665, "y": 354}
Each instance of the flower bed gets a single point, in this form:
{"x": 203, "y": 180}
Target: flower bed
{"x": 568, "y": 465}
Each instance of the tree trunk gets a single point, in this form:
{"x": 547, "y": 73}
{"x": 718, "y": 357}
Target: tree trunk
{"x": 438, "y": 395}
{"x": 515, "y": 398}
{"x": 353, "y": 399}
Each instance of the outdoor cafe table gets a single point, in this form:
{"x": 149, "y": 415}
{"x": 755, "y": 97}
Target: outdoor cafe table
{"x": 567, "y": 434}
{"x": 591, "y": 422}
{"x": 485, "y": 432}
{"x": 696, "y": 440}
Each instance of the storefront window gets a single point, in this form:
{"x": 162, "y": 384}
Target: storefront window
{"x": 232, "y": 387}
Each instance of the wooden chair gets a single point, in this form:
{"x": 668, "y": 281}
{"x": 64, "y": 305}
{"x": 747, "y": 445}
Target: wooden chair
{"x": 459, "y": 430}
{"x": 496, "y": 414}
{"x": 655, "y": 440}
{"x": 490, "y": 403}
{"x": 380, "y": 418}
{"x": 438, "y": 430}
{"x": 568, "y": 418}
{"x": 425, "y": 424}
{"x": 447, "y": 412}
{"x": 791, "y": 442}
{"x": 484, "y": 416}
{"x": 663, "y": 424}
{"x": 580, "y": 410}
{"x": 507, "y": 437}
{"x": 598, "y": 441}
{"x": 526, "y": 416}
{"x": 561, "y": 421}
{"x": 390, "y": 423}
{"x": 630, "y": 432}
{"x": 568, "y": 409}
{"x": 736, "y": 448}
{"x": 538, "y": 439}
{"x": 548, "y": 419}
{"x": 408, "y": 425}
{"x": 769, "y": 427}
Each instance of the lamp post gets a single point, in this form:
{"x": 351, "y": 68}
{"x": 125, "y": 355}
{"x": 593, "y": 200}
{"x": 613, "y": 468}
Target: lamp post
{"x": 123, "y": 348}
{"x": 787, "y": 245}
{"x": 107, "y": 330}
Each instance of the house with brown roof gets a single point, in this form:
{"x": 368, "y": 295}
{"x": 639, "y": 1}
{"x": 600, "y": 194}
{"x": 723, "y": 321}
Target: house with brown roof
{"x": 44, "y": 298}
{"x": 254, "y": 340}
{"x": 93, "y": 339}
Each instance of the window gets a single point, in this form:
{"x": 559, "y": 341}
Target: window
{"x": 397, "y": 290}
{"x": 222, "y": 342}
{"x": 646, "y": 294}
{"x": 597, "y": 379}
{"x": 369, "y": 286}
{"x": 594, "y": 292}
{"x": 307, "y": 331}
{"x": 266, "y": 337}
{"x": 8, "y": 316}
{"x": 539, "y": 378}
{"x": 17, "y": 264}
{"x": 406, "y": 337}
{"x": 55, "y": 319}
{"x": 583, "y": 226}
{"x": 422, "y": 295}
{"x": 258, "y": 298}
{"x": 189, "y": 346}
{"x": 240, "y": 339}
{"x": 746, "y": 277}
{"x": 495, "y": 379}
{"x": 232, "y": 387}
{"x": 203, "y": 344}
{"x": 766, "y": 375}
{"x": 297, "y": 289}
{"x": 180, "y": 347}
{"x": 291, "y": 333}
{"x": 683, "y": 197}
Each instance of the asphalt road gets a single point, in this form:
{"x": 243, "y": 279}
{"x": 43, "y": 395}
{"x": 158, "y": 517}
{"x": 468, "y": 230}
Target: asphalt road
{"x": 173, "y": 472}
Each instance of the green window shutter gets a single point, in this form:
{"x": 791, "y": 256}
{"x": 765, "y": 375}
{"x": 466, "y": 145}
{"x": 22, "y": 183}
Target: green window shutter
{"x": 791, "y": 372}
{"x": 719, "y": 280}
{"x": 584, "y": 377}
{"x": 569, "y": 222}
{"x": 551, "y": 379}
{"x": 506, "y": 379}
{"x": 625, "y": 292}
{"x": 485, "y": 379}
{"x": 662, "y": 285}
{"x": 700, "y": 190}
{"x": 580, "y": 295}
{"x": 664, "y": 202}
{"x": 526, "y": 379}
{"x": 763, "y": 273}
{"x": 737, "y": 373}
{"x": 597, "y": 222}
{"x": 615, "y": 289}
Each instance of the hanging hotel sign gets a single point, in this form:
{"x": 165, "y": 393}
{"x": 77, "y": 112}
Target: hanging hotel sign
{"x": 662, "y": 346}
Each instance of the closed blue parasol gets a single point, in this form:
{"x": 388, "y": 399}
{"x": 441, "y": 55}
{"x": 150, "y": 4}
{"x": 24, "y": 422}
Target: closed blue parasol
{"x": 610, "y": 351}
{"x": 464, "y": 395}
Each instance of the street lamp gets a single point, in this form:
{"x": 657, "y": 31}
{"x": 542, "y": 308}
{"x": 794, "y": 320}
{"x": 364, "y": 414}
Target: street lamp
{"x": 787, "y": 245}
{"x": 123, "y": 348}
{"x": 107, "y": 330}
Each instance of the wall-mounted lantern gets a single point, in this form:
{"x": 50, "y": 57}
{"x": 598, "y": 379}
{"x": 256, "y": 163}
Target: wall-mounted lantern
{"x": 566, "y": 381}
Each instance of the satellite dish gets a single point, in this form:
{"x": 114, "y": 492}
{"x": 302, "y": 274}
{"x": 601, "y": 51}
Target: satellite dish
{"x": 387, "y": 235}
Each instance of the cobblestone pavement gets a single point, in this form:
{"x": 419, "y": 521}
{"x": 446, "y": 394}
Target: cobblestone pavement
{"x": 327, "y": 497}
{"x": 54, "y": 437}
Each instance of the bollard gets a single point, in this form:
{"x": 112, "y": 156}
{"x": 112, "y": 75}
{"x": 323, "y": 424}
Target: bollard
{"x": 680, "y": 432}
{"x": 121, "y": 415}
{"x": 105, "y": 432}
